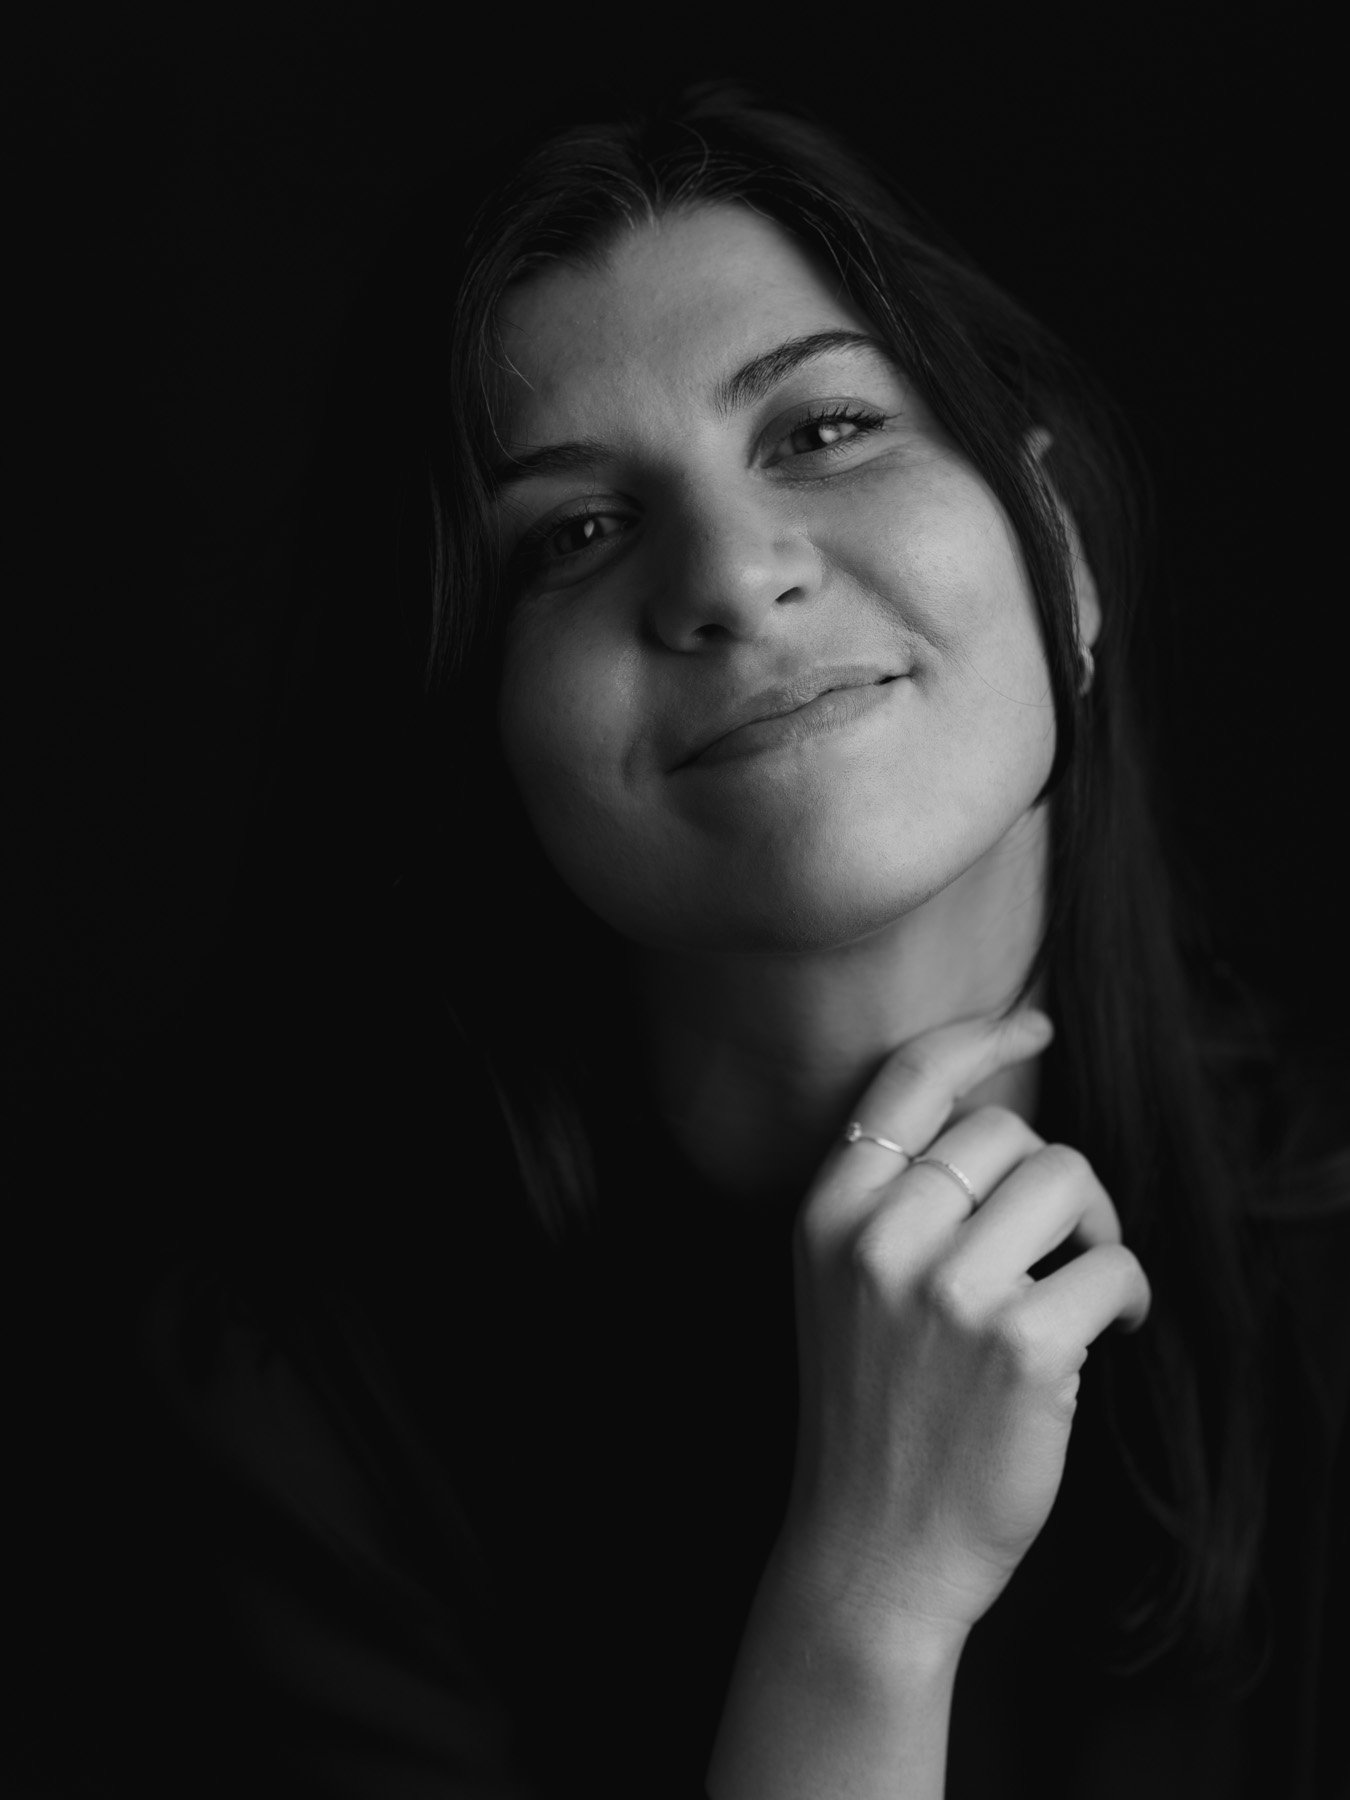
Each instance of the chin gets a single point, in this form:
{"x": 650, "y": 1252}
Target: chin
{"x": 775, "y": 910}
{"x": 788, "y": 891}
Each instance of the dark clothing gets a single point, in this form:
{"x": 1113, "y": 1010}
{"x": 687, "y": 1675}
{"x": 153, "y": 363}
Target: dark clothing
{"x": 506, "y": 1551}
{"x": 553, "y": 1605}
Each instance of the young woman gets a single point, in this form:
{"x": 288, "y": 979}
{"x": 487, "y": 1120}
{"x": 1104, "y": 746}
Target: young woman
{"x": 827, "y": 1301}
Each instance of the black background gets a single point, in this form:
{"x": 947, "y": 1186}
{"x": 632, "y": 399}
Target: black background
{"x": 198, "y": 192}
{"x": 195, "y": 194}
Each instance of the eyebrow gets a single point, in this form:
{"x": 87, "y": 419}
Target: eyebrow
{"x": 733, "y": 393}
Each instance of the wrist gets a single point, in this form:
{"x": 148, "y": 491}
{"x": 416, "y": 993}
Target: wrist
{"x": 873, "y": 1632}
{"x": 833, "y": 1699}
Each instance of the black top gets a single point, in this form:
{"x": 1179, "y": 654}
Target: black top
{"x": 553, "y": 1605}
{"x": 511, "y": 1552}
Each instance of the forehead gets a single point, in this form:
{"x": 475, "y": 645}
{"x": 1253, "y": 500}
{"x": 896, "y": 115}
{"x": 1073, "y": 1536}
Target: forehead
{"x": 670, "y": 306}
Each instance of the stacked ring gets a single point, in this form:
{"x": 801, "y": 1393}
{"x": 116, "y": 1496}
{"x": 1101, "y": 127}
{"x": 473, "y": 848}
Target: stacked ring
{"x": 951, "y": 1169}
{"x": 855, "y": 1131}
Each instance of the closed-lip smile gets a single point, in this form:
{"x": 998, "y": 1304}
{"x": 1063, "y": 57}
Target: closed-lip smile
{"x": 789, "y": 710}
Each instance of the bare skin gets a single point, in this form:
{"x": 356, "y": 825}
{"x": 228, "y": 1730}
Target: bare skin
{"x": 797, "y": 912}
{"x": 939, "y": 1382}
{"x": 757, "y": 1059}
{"x": 777, "y": 704}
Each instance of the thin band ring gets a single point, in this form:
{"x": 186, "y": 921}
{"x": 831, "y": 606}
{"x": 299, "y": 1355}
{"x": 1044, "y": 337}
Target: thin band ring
{"x": 951, "y": 1169}
{"x": 855, "y": 1131}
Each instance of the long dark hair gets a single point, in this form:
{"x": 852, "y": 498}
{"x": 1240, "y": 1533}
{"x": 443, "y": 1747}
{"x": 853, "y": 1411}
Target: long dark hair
{"x": 1141, "y": 1066}
{"x": 1141, "y": 1102}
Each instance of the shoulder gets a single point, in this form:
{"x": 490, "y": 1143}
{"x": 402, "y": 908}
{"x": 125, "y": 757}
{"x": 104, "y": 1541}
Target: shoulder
{"x": 327, "y": 1610}
{"x": 300, "y": 1420}
{"x": 228, "y": 1389}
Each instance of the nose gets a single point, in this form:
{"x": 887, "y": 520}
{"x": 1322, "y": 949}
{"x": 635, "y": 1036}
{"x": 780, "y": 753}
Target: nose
{"x": 729, "y": 562}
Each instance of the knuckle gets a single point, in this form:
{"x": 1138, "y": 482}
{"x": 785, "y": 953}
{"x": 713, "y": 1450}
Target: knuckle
{"x": 1126, "y": 1264}
{"x": 949, "y": 1292}
{"x": 1064, "y": 1395}
{"x": 1028, "y": 1345}
{"x": 996, "y": 1118}
{"x": 810, "y": 1233}
{"x": 1002, "y": 1123}
{"x": 1108, "y": 1219}
{"x": 917, "y": 1059}
{"x": 1133, "y": 1272}
{"x": 815, "y": 1221}
{"x": 1062, "y": 1162}
{"x": 874, "y": 1255}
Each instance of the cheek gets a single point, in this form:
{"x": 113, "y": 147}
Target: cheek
{"x": 939, "y": 559}
{"x": 939, "y": 555}
{"x": 565, "y": 726}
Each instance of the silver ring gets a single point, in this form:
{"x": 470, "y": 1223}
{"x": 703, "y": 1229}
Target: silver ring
{"x": 952, "y": 1170}
{"x": 855, "y": 1131}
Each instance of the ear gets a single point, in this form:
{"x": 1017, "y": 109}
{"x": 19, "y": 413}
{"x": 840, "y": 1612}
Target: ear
{"x": 1039, "y": 441}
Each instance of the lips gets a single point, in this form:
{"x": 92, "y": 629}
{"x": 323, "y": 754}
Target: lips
{"x": 790, "y": 709}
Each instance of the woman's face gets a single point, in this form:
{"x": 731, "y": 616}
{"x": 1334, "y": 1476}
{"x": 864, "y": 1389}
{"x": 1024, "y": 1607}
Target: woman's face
{"x": 774, "y": 675}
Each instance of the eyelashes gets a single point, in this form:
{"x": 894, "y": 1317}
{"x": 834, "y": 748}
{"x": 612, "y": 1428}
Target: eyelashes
{"x": 863, "y": 418}
{"x": 583, "y": 525}
{"x": 574, "y": 540}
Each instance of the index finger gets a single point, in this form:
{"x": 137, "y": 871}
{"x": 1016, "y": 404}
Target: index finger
{"x": 913, "y": 1094}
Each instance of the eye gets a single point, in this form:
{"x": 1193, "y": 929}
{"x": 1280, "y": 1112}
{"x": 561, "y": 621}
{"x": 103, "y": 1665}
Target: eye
{"x": 832, "y": 428}
{"x": 582, "y": 533}
{"x": 565, "y": 540}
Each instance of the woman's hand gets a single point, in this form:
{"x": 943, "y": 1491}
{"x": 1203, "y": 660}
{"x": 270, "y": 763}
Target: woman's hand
{"x": 939, "y": 1378}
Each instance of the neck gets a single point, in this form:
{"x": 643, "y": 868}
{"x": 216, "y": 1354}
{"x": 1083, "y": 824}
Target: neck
{"x": 757, "y": 1061}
